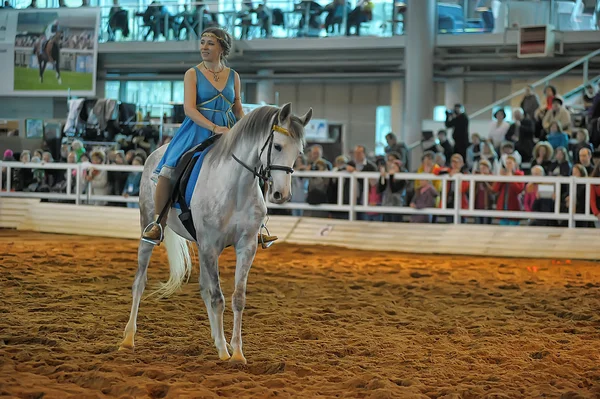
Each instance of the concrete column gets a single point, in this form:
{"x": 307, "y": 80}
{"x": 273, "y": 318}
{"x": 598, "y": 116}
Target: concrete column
{"x": 265, "y": 88}
{"x": 397, "y": 106}
{"x": 418, "y": 58}
{"x": 454, "y": 90}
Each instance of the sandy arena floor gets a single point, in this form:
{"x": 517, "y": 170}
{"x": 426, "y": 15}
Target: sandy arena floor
{"x": 319, "y": 322}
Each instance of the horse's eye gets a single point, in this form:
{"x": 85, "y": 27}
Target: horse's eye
{"x": 277, "y": 147}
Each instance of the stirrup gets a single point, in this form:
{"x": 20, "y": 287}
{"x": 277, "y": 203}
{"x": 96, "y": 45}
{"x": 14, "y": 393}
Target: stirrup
{"x": 264, "y": 244}
{"x": 150, "y": 241}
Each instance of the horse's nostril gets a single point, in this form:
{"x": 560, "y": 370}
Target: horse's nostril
{"x": 277, "y": 195}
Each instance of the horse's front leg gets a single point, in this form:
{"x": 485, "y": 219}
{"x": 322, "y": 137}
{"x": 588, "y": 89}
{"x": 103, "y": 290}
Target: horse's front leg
{"x": 210, "y": 290}
{"x": 245, "y": 251}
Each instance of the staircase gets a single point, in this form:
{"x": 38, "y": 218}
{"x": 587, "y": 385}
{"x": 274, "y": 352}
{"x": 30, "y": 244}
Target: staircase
{"x": 584, "y": 61}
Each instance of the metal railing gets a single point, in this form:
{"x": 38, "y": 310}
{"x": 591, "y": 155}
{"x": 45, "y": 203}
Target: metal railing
{"x": 579, "y": 89}
{"x": 544, "y": 81}
{"x": 82, "y": 194}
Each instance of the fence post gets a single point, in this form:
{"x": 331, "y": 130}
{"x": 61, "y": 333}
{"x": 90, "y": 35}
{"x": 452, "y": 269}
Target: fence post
{"x": 457, "y": 198}
{"x": 8, "y": 178}
{"x": 78, "y": 184}
{"x": 572, "y": 202}
{"x": 352, "y": 197}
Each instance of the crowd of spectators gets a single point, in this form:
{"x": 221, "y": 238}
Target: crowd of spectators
{"x": 92, "y": 180}
{"x": 543, "y": 139}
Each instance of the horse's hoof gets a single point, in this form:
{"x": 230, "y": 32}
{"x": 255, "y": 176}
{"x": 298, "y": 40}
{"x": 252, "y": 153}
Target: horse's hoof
{"x": 224, "y": 355}
{"x": 238, "y": 358}
{"x": 127, "y": 344}
{"x": 59, "y": 81}
{"x": 125, "y": 348}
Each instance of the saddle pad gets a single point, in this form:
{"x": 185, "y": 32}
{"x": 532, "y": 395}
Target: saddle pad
{"x": 198, "y": 160}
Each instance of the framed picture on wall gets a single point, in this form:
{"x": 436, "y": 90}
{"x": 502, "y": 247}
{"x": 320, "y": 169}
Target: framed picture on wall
{"x": 34, "y": 128}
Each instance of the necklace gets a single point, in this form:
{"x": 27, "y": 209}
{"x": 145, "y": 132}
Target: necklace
{"x": 215, "y": 73}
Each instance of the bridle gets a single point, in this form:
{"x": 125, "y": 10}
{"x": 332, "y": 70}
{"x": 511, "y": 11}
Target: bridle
{"x": 264, "y": 173}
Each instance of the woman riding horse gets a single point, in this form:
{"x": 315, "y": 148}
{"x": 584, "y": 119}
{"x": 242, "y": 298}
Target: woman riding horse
{"x": 212, "y": 106}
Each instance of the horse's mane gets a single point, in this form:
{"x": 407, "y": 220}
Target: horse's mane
{"x": 253, "y": 128}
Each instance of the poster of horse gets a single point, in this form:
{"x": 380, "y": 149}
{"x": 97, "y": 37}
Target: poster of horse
{"x": 55, "y": 52}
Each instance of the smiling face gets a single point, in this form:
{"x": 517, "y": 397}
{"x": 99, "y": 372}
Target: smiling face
{"x": 211, "y": 49}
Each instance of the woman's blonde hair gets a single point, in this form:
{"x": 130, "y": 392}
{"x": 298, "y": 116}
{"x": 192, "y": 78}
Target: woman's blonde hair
{"x": 549, "y": 150}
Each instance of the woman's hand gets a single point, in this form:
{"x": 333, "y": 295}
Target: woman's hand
{"x": 220, "y": 130}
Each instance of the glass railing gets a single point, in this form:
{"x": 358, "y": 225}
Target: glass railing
{"x": 170, "y": 21}
{"x": 280, "y": 19}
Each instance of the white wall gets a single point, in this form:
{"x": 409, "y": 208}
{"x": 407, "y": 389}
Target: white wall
{"x": 353, "y": 105}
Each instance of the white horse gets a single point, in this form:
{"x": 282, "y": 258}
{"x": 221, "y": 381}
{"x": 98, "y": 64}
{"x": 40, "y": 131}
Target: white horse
{"x": 228, "y": 208}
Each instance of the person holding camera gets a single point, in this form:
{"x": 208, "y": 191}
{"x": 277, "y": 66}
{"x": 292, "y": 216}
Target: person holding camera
{"x": 458, "y": 120}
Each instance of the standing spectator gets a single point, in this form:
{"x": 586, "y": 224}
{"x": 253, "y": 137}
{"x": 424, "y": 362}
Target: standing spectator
{"x": 558, "y": 113}
{"x": 299, "y": 186}
{"x": 474, "y": 151}
{"x": 458, "y": 120}
{"x": 317, "y": 191}
{"x": 362, "y": 165}
{"x": 556, "y": 137}
{"x": 392, "y": 190}
{"x": 508, "y": 193}
{"x": 579, "y": 202}
{"x": 498, "y": 128}
{"x": 316, "y": 154}
{"x": 395, "y": 146}
{"x": 98, "y": 179}
{"x": 444, "y": 146}
{"x": 585, "y": 159}
{"x": 484, "y": 195}
{"x": 534, "y": 202}
{"x": 588, "y": 97}
{"x": 530, "y": 102}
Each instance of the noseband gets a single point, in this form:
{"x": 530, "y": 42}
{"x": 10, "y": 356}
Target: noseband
{"x": 264, "y": 173}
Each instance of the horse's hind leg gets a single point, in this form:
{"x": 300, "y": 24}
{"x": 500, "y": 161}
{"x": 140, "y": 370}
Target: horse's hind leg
{"x": 42, "y": 67}
{"x": 57, "y": 68}
{"x": 139, "y": 283}
{"x": 210, "y": 290}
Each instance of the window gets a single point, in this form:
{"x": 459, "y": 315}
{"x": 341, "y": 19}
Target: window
{"x": 178, "y": 92}
{"x": 439, "y": 113}
{"x": 111, "y": 90}
{"x": 149, "y": 95}
{"x": 383, "y": 125}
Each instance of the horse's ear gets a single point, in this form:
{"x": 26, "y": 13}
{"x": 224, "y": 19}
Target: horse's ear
{"x": 284, "y": 113}
{"x": 307, "y": 117}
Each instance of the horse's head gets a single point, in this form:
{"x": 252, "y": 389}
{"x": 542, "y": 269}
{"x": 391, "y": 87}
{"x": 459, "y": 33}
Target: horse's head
{"x": 287, "y": 143}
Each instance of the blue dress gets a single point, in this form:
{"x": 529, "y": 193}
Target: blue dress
{"x": 214, "y": 105}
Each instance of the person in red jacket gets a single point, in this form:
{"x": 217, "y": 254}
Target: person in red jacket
{"x": 595, "y": 195}
{"x": 508, "y": 193}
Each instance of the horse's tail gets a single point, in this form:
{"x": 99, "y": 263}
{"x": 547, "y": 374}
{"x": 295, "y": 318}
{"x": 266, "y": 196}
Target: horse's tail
{"x": 180, "y": 264}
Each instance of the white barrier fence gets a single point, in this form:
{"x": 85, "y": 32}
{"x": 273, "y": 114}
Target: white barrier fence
{"x": 83, "y": 195}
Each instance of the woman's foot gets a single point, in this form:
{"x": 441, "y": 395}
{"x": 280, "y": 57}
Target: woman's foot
{"x": 153, "y": 233}
{"x": 266, "y": 240}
